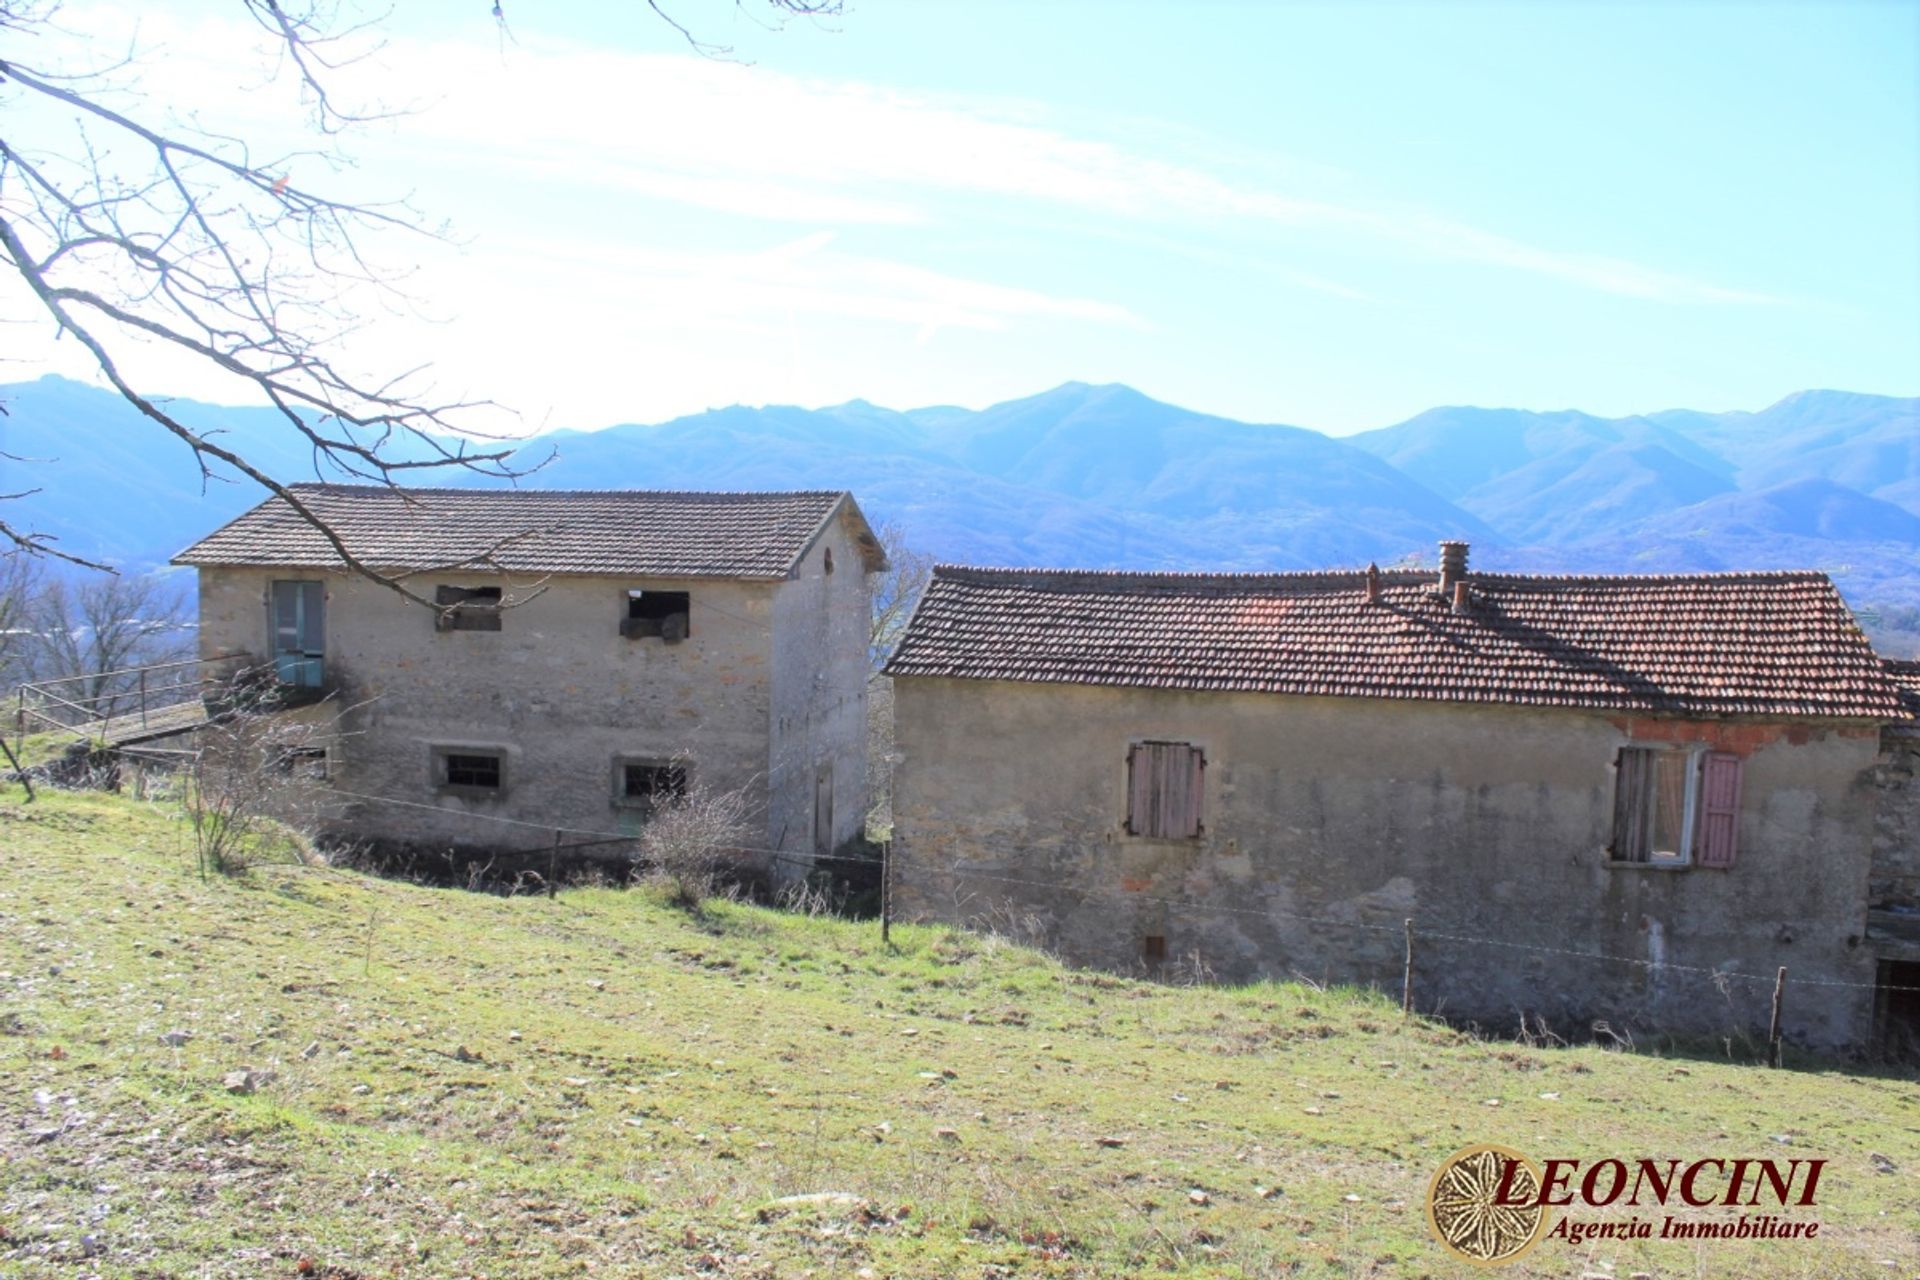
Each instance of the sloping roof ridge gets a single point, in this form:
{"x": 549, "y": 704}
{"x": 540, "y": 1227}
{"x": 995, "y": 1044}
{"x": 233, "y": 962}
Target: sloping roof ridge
{"x": 324, "y": 486}
{"x": 1653, "y": 579}
{"x": 984, "y": 575}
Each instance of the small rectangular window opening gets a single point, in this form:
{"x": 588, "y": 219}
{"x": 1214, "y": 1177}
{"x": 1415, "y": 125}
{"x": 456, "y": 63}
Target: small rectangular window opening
{"x": 304, "y": 762}
{"x": 667, "y": 614}
{"x": 1154, "y": 948}
{"x": 473, "y": 771}
{"x": 648, "y": 785}
{"x": 467, "y": 608}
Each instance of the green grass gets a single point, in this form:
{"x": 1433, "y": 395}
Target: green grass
{"x": 43, "y": 748}
{"x": 598, "y": 1085}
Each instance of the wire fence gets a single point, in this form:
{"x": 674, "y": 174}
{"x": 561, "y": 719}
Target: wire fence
{"x": 1425, "y": 929}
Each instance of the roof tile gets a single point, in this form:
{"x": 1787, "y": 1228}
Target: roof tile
{"x": 1763, "y": 644}
{"x": 624, "y": 531}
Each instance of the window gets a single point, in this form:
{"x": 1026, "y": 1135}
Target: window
{"x": 467, "y": 608}
{"x": 667, "y": 614}
{"x": 828, "y": 561}
{"x": 1673, "y": 806}
{"x": 299, "y": 618}
{"x": 309, "y": 763}
{"x": 647, "y": 784}
{"x": 470, "y": 771}
{"x": 1166, "y": 782}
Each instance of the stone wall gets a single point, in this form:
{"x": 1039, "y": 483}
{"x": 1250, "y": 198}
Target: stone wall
{"x": 818, "y": 751}
{"x": 1895, "y": 881}
{"x": 1329, "y": 821}
{"x": 557, "y": 687}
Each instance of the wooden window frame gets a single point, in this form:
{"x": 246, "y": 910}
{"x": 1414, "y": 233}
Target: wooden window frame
{"x": 1635, "y": 767}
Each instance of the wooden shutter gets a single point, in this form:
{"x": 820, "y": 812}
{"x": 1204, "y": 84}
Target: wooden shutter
{"x": 1632, "y": 804}
{"x": 1139, "y": 790}
{"x": 1719, "y": 837}
{"x": 1165, "y": 784}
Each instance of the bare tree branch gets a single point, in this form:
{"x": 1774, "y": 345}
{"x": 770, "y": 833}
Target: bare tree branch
{"x": 126, "y": 227}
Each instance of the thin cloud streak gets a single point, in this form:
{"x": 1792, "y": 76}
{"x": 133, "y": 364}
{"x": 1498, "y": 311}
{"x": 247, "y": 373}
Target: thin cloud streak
{"x": 753, "y": 142}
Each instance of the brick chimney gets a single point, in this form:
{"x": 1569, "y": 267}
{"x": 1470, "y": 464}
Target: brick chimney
{"x": 1453, "y": 567}
{"x": 1373, "y": 583}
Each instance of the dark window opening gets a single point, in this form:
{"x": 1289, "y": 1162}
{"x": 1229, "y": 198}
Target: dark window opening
{"x": 471, "y": 771}
{"x": 304, "y": 762}
{"x": 1166, "y": 785}
{"x": 1154, "y": 948}
{"x": 829, "y": 559}
{"x": 648, "y": 784}
{"x": 467, "y": 608}
{"x": 1896, "y": 1010}
{"x": 667, "y": 614}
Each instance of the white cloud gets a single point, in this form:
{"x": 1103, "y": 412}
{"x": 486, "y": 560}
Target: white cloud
{"x": 752, "y": 141}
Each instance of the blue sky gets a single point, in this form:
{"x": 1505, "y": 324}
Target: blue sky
{"x": 1332, "y": 215}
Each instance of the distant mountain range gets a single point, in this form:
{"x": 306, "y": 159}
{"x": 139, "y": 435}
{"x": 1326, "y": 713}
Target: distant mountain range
{"x": 1105, "y": 476}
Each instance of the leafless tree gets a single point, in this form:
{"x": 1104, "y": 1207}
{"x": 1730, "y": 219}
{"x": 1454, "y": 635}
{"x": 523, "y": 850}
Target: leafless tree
{"x": 19, "y": 584}
{"x": 85, "y": 629}
{"x": 125, "y": 225}
{"x": 895, "y": 591}
{"x": 256, "y": 788}
{"x": 692, "y": 839}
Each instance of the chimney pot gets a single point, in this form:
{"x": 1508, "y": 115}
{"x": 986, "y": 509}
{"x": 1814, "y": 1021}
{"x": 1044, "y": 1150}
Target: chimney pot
{"x": 1373, "y": 583}
{"x": 1462, "y": 601}
{"x": 1453, "y": 566}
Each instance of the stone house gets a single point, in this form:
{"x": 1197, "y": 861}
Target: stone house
{"x": 1893, "y": 889}
{"x": 1595, "y": 797}
{"x": 586, "y": 654}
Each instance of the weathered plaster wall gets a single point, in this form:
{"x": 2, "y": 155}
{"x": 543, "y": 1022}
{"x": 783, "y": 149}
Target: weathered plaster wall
{"x": 1895, "y": 881}
{"x": 819, "y": 722}
{"x": 1329, "y": 821}
{"x": 558, "y": 687}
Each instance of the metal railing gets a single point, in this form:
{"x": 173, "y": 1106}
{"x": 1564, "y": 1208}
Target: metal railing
{"x": 127, "y": 702}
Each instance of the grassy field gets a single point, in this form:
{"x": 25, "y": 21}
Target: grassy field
{"x": 467, "y": 1085}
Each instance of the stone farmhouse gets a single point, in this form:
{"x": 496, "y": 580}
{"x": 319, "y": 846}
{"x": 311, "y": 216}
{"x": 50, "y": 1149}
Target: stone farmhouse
{"x": 1595, "y": 797}
{"x": 588, "y": 655}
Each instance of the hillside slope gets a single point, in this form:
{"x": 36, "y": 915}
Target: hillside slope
{"x": 471, "y": 1085}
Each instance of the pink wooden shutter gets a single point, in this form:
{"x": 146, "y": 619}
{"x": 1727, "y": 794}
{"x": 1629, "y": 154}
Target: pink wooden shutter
{"x": 1720, "y": 810}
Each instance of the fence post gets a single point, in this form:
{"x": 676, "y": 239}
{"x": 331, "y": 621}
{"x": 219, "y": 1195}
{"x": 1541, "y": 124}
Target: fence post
{"x": 553, "y": 866}
{"x": 1773, "y": 1030}
{"x": 1406, "y": 976}
{"x": 143, "y": 697}
{"x": 886, "y": 891}
{"x": 14, "y": 760}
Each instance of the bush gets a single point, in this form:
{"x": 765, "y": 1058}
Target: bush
{"x": 693, "y": 840}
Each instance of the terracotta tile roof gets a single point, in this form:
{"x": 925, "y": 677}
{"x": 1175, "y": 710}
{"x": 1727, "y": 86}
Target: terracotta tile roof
{"x": 628, "y": 532}
{"x": 1906, "y": 679}
{"x": 1763, "y": 644}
